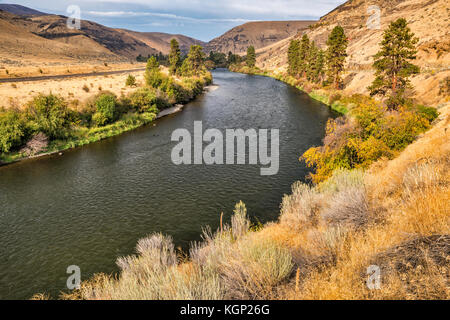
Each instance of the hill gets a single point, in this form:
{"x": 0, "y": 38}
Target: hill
{"x": 20, "y": 10}
{"x": 427, "y": 19}
{"x": 30, "y": 37}
{"x": 258, "y": 34}
{"x": 161, "y": 41}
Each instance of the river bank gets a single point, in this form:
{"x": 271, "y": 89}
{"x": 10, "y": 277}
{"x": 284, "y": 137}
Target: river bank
{"x": 327, "y": 97}
{"x": 81, "y": 136}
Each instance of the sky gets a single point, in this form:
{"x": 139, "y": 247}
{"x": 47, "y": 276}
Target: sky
{"x": 200, "y": 19}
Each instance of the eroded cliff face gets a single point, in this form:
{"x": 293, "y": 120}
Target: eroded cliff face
{"x": 429, "y": 20}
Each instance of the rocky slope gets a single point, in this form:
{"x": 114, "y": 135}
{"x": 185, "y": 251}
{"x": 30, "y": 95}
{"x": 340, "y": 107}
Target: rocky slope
{"x": 428, "y": 20}
{"x": 258, "y": 34}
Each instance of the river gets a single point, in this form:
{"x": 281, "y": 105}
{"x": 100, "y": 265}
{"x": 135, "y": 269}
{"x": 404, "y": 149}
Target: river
{"x": 92, "y": 204}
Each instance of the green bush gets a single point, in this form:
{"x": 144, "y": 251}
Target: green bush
{"x": 146, "y": 100}
{"x": 131, "y": 81}
{"x": 106, "y": 109}
{"x": 373, "y": 133}
{"x": 175, "y": 93}
{"x": 429, "y": 113}
{"x": 50, "y": 115}
{"x": 12, "y": 130}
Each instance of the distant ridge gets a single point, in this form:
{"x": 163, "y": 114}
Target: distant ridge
{"x": 258, "y": 34}
{"x": 21, "y": 10}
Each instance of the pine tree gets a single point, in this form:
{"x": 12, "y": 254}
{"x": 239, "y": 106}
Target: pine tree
{"x": 303, "y": 58}
{"x": 251, "y": 57}
{"x": 320, "y": 66}
{"x": 313, "y": 55}
{"x": 293, "y": 57}
{"x": 174, "y": 56}
{"x": 335, "y": 55}
{"x": 195, "y": 59}
{"x": 152, "y": 74}
{"x": 392, "y": 64}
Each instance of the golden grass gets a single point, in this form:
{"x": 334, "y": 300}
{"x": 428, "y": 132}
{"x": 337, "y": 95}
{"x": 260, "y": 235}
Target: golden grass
{"x": 412, "y": 194}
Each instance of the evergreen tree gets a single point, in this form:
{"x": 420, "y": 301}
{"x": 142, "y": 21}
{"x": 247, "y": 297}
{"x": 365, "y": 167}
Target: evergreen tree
{"x": 303, "y": 58}
{"x": 313, "y": 55}
{"x": 153, "y": 76}
{"x": 336, "y": 53}
{"x": 251, "y": 57}
{"x": 293, "y": 57}
{"x": 392, "y": 63}
{"x": 230, "y": 57}
{"x": 174, "y": 56}
{"x": 320, "y": 66}
{"x": 194, "y": 62}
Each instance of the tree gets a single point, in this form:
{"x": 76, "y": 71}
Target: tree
{"x": 49, "y": 114}
{"x": 251, "y": 57}
{"x": 174, "y": 56}
{"x": 106, "y": 109}
{"x": 303, "y": 58}
{"x": 392, "y": 64}
{"x": 316, "y": 64}
{"x": 335, "y": 55}
{"x": 153, "y": 76}
{"x": 195, "y": 59}
{"x": 12, "y": 130}
{"x": 293, "y": 57}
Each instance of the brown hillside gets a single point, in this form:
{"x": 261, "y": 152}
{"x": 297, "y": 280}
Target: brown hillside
{"x": 161, "y": 41}
{"x": 26, "y": 39}
{"x": 258, "y": 34}
{"x": 428, "y": 20}
{"x": 20, "y": 46}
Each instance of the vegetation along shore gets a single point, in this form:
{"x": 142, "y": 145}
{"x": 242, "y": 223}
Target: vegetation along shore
{"x": 49, "y": 124}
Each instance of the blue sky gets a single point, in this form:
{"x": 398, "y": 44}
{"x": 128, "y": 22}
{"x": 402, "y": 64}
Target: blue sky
{"x": 201, "y": 19}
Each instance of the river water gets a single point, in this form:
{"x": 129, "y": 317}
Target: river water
{"x": 92, "y": 204}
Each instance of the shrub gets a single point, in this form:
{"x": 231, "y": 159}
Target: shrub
{"x": 106, "y": 109}
{"x": 50, "y": 115}
{"x": 374, "y": 133}
{"x": 146, "y": 100}
{"x": 402, "y": 127}
{"x": 301, "y": 208}
{"x": 253, "y": 268}
{"x": 12, "y": 130}
{"x": 428, "y": 113}
{"x": 153, "y": 275}
{"x": 86, "y": 88}
{"x": 175, "y": 93}
{"x": 131, "y": 81}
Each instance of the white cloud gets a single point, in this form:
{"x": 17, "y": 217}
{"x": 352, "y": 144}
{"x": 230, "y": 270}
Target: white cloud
{"x": 127, "y": 14}
{"x": 249, "y": 8}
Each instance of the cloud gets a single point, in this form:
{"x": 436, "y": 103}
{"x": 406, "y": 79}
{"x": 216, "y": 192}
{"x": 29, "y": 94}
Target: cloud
{"x": 127, "y": 14}
{"x": 243, "y": 8}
